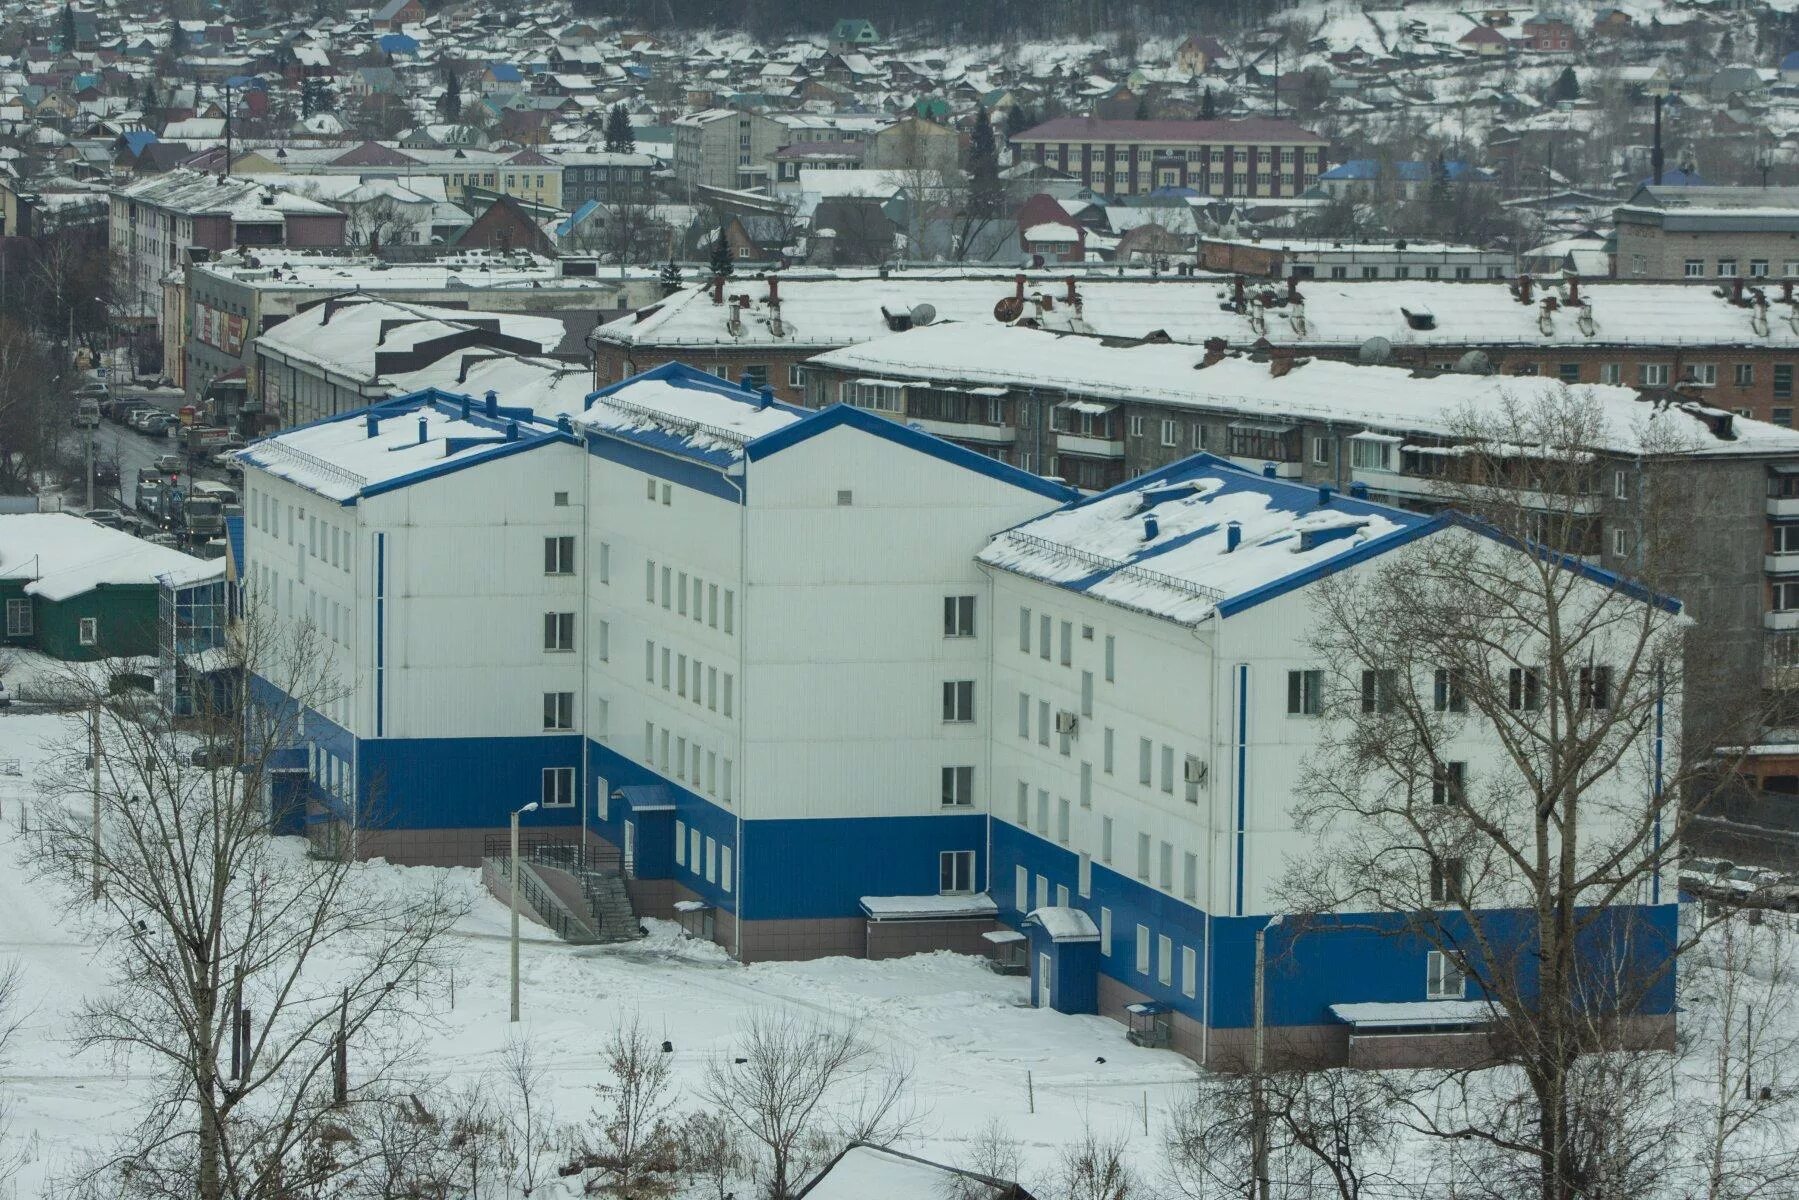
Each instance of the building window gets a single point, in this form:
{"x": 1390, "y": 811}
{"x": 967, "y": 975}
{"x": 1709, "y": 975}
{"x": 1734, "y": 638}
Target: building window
{"x": 1443, "y": 978}
{"x": 1596, "y": 687}
{"x": 1369, "y": 454}
{"x": 1447, "y": 783}
{"x": 1305, "y": 693}
{"x": 1620, "y": 545}
{"x": 1083, "y": 876}
{"x": 1170, "y": 433}
{"x": 1106, "y": 827}
{"x": 559, "y": 556}
{"x": 558, "y": 787}
{"x": 88, "y": 632}
{"x": 18, "y": 618}
{"x": 1781, "y": 416}
{"x": 1189, "y": 972}
{"x": 1321, "y": 451}
{"x": 559, "y": 631}
{"x": 1380, "y": 691}
{"x": 1525, "y": 689}
{"x": 1447, "y": 693}
{"x": 958, "y": 787}
{"x": 1727, "y": 268}
{"x": 1695, "y": 268}
{"x": 1024, "y": 630}
{"x": 558, "y": 710}
{"x": 1652, "y": 374}
{"x": 1758, "y": 267}
{"x": 1136, "y": 427}
{"x": 955, "y": 872}
{"x": 1143, "y": 857}
{"x": 1702, "y": 374}
{"x": 1743, "y": 374}
{"x": 958, "y": 700}
{"x": 958, "y": 616}
{"x": 1568, "y": 372}
{"x": 1611, "y": 373}
{"x": 1783, "y": 381}
{"x": 1446, "y": 880}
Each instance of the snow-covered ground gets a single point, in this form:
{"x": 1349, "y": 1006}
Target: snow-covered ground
{"x": 971, "y": 1033}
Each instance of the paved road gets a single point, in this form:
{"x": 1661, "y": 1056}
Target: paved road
{"x": 132, "y": 450}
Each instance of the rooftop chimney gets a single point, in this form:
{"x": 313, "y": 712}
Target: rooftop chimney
{"x": 1269, "y": 470}
{"x": 765, "y": 396}
{"x": 465, "y": 406}
{"x": 1279, "y": 365}
{"x": 1150, "y": 527}
{"x": 372, "y": 423}
{"x": 493, "y": 403}
{"x": 423, "y": 436}
{"x": 1018, "y": 284}
{"x": 1074, "y": 297}
{"x": 1233, "y": 537}
{"x": 512, "y": 431}
{"x": 718, "y": 289}
{"x": 1524, "y": 282}
{"x": 1358, "y": 491}
{"x": 774, "y": 292}
{"x": 1324, "y": 495}
{"x": 1573, "y": 290}
{"x": 1215, "y": 347}
{"x": 1293, "y": 296}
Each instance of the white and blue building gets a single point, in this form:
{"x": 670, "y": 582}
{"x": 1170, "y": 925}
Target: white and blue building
{"x": 841, "y": 686}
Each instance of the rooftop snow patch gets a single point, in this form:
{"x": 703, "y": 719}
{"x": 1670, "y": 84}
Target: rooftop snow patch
{"x": 338, "y": 459}
{"x": 1163, "y": 544}
{"x": 678, "y": 409}
{"x": 931, "y": 907}
{"x": 62, "y": 555}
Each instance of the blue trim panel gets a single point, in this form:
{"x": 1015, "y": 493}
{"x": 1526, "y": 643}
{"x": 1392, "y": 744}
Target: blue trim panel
{"x": 682, "y": 469}
{"x": 461, "y": 783}
{"x": 823, "y": 866}
{"x": 1242, "y": 777}
{"x": 656, "y": 860}
{"x": 826, "y": 419}
{"x": 380, "y": 634}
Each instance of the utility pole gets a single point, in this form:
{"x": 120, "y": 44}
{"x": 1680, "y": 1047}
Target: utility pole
{"x": 89, "y": 438}
{"x": 93, "y": 757}
{"x": 1258, "y": 1098}
{"x": 531, "y": 807}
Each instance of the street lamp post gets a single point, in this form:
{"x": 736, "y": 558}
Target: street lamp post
{"x": 531, "y": 807}
{"x": 1258, "y": 1101}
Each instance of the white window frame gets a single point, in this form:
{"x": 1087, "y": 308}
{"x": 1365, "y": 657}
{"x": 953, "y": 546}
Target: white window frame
{"x": 87, "y": 631}
{"x": 1439, "y": 971}
{"x": 556, "y": 794}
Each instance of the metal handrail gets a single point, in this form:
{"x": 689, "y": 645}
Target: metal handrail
{"x": 1115, "y": 566}
{"x": 542, "y": 901}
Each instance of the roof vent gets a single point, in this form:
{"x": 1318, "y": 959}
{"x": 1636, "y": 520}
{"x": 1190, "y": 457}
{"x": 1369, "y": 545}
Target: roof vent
{"x": 1269, "y": 469}
{"x": 1151, "y": 527}
{"x": 1324, "y": 495}
{"x": 372, "y": 423}
{"x": 1358, "y": 491}
{"x": 423, "y": 435}
{"x": 512, "y": 431}
{"x": 493, "y": 403}
{"x": 1233, "y": 537}
{"x": 1420, "y": 317}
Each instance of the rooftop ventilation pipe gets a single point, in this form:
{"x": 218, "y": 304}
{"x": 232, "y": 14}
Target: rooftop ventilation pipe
{"x": 744, "y": 382}
{"x": 512, "y": 431}
{"x": 493, "y": 403}
{"x": 765, "y": 396}
{"x": 1268, "y": 470}
{"x": 1018, "y": 287}
{"x": 1233, "y": 537}
{"x": 372, "y": 423}
{"x": 1324, "y": 495}
{"x": 423, "y": 436}
{"x": 1151, "y": 527}
{"x": 466, "y": 402}
{"x": 1358, "y": 491}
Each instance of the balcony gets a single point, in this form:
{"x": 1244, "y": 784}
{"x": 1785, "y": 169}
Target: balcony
{"x": 1781, "y": 564}
{"x": 970, "y": 431}
{"x": 1092, "y": 447}
{"x": 1783, "y": 506}
{"x": 1789, "y": 619}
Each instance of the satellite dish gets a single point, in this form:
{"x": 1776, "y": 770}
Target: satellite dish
{"x": 923, "y": 314}
{"x": 1009, "y": 309}
{"x": 1375, "y": 351}
{"x": 1475, "y": 362}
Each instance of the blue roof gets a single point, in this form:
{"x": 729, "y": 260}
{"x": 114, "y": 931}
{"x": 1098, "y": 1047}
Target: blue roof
{"x": 246, "y": 83}
{"x": 1790, "y": 61}
{"x": 137, "y": 140}
{"x": 1676, "y": 178}
{"x": 1412, "y": 171}
{"x": 568, "y": 224}
{"x": 397, "y": 43}
{"x": 504, "y": 73}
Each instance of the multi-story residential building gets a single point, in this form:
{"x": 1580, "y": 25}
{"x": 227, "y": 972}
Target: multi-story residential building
{"x": 231, "y": 299}
{"x": 1097, "y": 413}
{"x": 525, "y": 174}
{"x": 154, "y": 221}
{"x": 726, "y": 148}
{"x": 589, "y": 174}
{"x": 1284, "y": 258}
{"x": 343, "y": 353}
{"x": 1259, "y": 157}
{"x": 656, "y": 617}
{"x": 1739, "y": 348}
{"x": 1708, "y": 233}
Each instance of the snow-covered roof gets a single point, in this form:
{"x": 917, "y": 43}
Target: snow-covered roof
{"x": 678, "y": 410}
{"x": 1195, "y": 539}
{"x": 865, "y": 1172}
{"x": 1393, "y": 399}
{"x": 349, "y": 337}
{"x": 376, "y": 449}
{"x": 548, "y": 387}
{"x": 62, "y": 555}
{"x": 899, "y": 908}
{"x": 1377, "y": 1015}
{"x": 1064, "y": 924}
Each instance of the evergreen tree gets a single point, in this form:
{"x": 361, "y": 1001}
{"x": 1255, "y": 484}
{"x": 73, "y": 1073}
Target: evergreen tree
{"x": 986, "y": 195}
{"x": 1208, "y": 106}
{"x": 1566, "y": 87}
{"x": 177, "y": 38}
{"x": 68, "y": 27}
{"x": 721, "y": 254}
{"x": 451, "y": 103}
{"x": 1018, "y": 119}
{"x": 1440, "y": 190}
{"x": 671, "y": 278}
{"x": 151, "y": 102}
{"x": 1142, "y": 108}
{"x": 619, "y": 138}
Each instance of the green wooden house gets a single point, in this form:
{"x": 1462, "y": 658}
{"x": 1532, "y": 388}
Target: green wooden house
{"x": 75, "y": 590}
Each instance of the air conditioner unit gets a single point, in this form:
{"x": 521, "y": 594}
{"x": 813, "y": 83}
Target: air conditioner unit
{"x": 1196, "y": 771}
{"x": 1066, "y": 722}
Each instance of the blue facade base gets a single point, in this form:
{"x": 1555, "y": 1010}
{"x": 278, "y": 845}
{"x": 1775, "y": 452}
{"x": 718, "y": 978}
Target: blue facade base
{"x": 1348, "y": 958}
{"x": 1071, "y": 969}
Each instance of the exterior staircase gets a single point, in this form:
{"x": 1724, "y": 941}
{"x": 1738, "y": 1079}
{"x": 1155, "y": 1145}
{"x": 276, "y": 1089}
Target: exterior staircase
{"x": 578, "y": 893}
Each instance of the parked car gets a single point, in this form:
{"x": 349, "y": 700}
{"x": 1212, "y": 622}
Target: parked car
{"x": 1705, "y": 876}
{"x": 1743, "y": 882}
{"x": 1783, "y": 894}
{"x": 93, "y": 390}
{"x": 214, "y": 754}
{"x": 87, "y": 413}
{"x": 112, "y": 518}
{"x": 135, "y": 418}
{"x": 160, "y": 425}
{"x": 170, "y": 464}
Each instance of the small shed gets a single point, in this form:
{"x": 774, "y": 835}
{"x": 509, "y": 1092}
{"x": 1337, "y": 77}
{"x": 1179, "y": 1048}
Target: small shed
{"x": 1064, "y": 959}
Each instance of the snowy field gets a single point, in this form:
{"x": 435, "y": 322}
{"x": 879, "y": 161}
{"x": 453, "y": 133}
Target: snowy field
{"x": 972, "y": 1035}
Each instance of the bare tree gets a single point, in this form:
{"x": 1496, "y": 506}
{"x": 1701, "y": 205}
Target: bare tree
{"x": 1490, "y": 636}
{"x": 637, "y": 1143}
{"x": 247, "y": 973}
{"x": 711, "y": 1153}
{"x": 777, "y": 1086}
{"x": 12, "y": 982}
{"x": 527, "y": 1117}
{"x": 1094, "y": 1167}
{"x": 1742, "y": 1100}
{"x": 991, "y": 1154}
